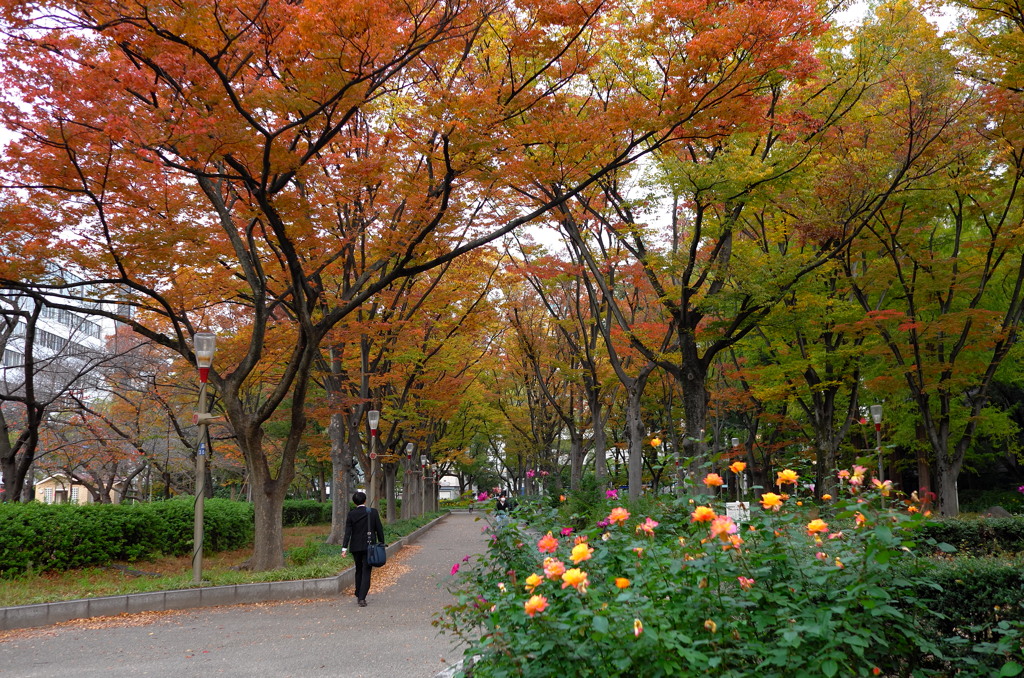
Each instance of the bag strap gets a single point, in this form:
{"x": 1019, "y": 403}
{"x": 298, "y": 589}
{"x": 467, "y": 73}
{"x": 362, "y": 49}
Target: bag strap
{"x": 370, "y": 538}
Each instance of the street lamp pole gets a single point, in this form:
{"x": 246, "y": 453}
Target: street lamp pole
{"x": 204, "y": 344}
{"x": 409, "y": 483}
{"x": 876, "y": 416}
{"x": 373, "y": 418}
{"x": 423, "y": 484}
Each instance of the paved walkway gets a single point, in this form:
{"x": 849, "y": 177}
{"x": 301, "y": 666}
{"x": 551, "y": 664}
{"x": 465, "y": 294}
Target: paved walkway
{"x": 391, "y": 638}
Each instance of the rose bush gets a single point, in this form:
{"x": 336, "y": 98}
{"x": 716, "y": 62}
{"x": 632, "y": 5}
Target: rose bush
{"x": 683, "y": 589}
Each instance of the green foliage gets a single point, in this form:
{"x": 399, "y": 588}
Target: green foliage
{"x": 980, "y": 502}
{"x": 584, "y": 507}
{"x": 227, "y": 525}
{"x": 45, "y": 537}
{"x": 319, "y": 560}
{"x": 303, "y": 555}
{"x": 977, "y": 607}
{"x": 981, "y": 536}
{"x": 305, "y": 512}
{"x": 780, "y": 595}
{"x": 465, "y": 500}
{"x": 975, "y": 591}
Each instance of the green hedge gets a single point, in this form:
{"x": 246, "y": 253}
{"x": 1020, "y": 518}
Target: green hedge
{"x": 975, "y": 591}
{"x": 44, "y": 537}
{"x": 976, "y": 615}
{"x": 306, "y": 512}
{"x": 977, "y": 536}
{"x": 62, "y": 536}
{"x": 980, "y": 501}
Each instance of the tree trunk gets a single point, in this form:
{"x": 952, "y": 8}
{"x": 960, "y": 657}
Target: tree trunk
{"x": 321, "y": 483}
{"x": 692, "y": 378}
{"x": 411, "y": 501}
{"x": 635, "y": 431}
{"x": 575, "y": 462}
{"x": 268, "y": 546}
{"x": 600, "y": 442}
{"x": 15, "y": 463}
{"x": 948, "y": 498}
{"x": 268, "y": 493}
{"x": 12, "y": 489}
{"x": 340, "y": 464}
{"x": 825, "y": 480}
{"x": 924, "y": 473}
{"x": 28, "y": 488}
{"x": 948, "y": 464}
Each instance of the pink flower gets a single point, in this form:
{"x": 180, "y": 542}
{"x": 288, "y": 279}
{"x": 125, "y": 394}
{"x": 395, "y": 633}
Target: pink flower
{"x": 611, "y": 494}
{"x": 531, "y": 473}
{"x": 722, "y": 527}
{"x": 483, "y": 496}
{"x": 553, "y": 569}
{"x": 455, "y": 568}
{"x": 547, "y": 544}
{"x": 647, "y": 527}
{"x": 566, "y": 531}
{"x": 745, "y": 583}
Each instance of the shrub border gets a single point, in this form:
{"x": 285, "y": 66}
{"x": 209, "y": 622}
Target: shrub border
{"x": 45, "y": 614}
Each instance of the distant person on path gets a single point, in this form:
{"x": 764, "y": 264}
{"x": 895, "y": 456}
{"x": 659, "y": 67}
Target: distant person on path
{"x": 360, "y": 521}
{"x": 502, "y": 506}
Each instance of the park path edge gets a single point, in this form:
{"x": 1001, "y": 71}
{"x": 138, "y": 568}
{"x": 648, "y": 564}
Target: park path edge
{"x": 46, "y": 614}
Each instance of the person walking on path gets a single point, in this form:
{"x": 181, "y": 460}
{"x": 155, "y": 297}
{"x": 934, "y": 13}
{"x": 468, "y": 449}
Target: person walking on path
{"x": 321, "y": 638}
{"x": 361, "y": 521}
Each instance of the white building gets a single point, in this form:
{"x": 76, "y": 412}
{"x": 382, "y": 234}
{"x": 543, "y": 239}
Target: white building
{"x": 68, "y": 348}
{"x": 67, "y": 345}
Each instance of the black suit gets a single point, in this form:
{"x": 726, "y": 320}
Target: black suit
{"x": 360, "y": 521}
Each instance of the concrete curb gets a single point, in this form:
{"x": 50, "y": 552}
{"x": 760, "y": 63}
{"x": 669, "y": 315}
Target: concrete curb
{"x": 45, "y": 614}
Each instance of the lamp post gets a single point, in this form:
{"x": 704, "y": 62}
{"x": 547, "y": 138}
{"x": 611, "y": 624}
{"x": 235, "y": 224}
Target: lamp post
{"x": 204, "y": 344}
{"x": 423, "y": 484}
{"x": 409, "y": 483}
{"x": 876, "y": 416}
{"x": 373, "y": 419}
{"x": 432, "y": 500}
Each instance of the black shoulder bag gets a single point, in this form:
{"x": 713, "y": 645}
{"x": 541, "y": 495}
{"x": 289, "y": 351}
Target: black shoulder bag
{"x": 376, "y": 554}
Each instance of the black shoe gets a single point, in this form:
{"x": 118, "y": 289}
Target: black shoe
{"x": 362, "y": 602}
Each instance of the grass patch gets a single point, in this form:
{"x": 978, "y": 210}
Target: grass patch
{"x": 306, "y": 557}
